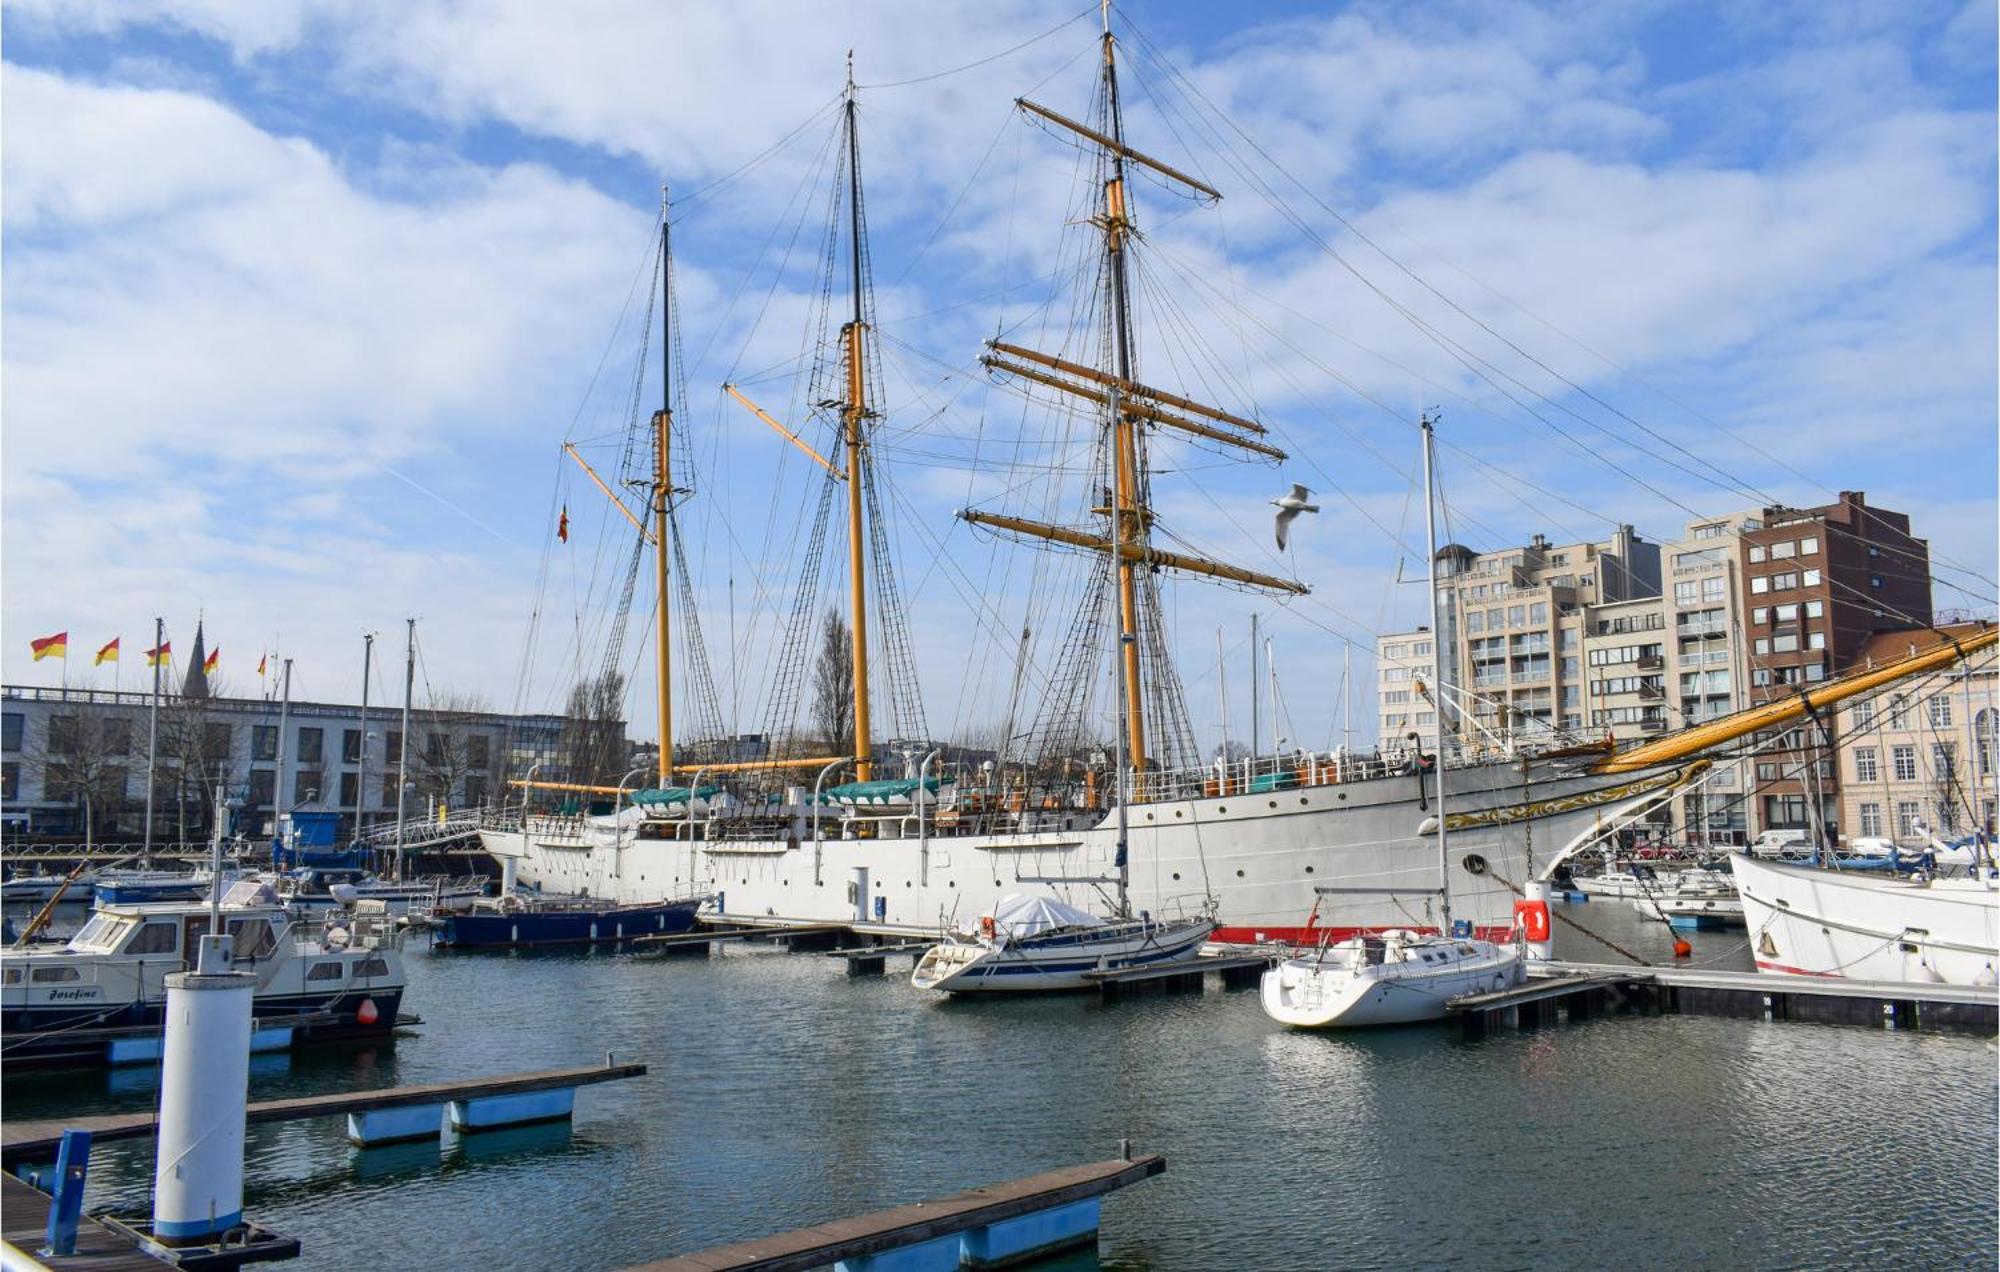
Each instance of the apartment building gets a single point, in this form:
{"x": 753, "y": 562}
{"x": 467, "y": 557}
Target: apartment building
{"x": 1818, "y": 584}
{"x": 1922, "y": 753}
{"x": 1402, "y": 663}
{"x": 72, "y": 755}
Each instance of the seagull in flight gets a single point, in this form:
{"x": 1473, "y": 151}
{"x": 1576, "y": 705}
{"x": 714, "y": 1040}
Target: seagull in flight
{"x": 1289, "y": 507}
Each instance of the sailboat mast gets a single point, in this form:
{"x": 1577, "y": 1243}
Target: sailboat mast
{"x": 662, "y": 492}
{"x": 857, "y": 410}
{"x": 1127, "y": 518}
{"x": 1431, "y": 542}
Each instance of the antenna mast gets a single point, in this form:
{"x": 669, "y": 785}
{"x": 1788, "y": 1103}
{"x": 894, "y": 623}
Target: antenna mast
{"x": 856, "y": 412}
{"x": 662, "y": 494}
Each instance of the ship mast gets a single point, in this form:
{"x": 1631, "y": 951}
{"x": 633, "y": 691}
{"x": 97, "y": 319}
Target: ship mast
{"x": 1128, "y": 525}
{"x": 853, "y": 412}
{"x": 662, "y": 493}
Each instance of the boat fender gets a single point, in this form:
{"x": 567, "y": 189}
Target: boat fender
{"x": 367, "y": 1013}
{"x": 337, "y": 938}
{"x": 986, "y": 926}
{"x": 1532, "y": 918}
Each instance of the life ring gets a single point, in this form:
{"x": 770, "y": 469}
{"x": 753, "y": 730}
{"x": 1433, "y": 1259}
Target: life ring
{"x": 1532, "y": 918}
{"x": 986, "y": 926}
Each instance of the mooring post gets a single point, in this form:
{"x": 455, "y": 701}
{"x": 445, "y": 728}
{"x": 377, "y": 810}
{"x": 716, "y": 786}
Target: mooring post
{"x": 204, "y": 1084}
{"x": 66, "y": 1206}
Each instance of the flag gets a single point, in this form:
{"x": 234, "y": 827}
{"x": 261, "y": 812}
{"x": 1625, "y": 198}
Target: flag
{"x": 262, "y": 661}
{"x": 165, "y": 653}
{"x": 214, "y": 656}
{"x": 107, "y": 654}
{"x": 56, "y": 646}
{"x": 562, "y": 525}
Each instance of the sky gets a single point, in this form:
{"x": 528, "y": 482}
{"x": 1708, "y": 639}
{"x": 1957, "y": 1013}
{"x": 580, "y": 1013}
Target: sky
{"x": 301, "y": 298}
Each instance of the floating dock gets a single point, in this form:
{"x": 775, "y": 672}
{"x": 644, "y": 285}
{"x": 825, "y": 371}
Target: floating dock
{"x": 1000, "y": 1225}
{"x": 1238, "y": 971}
{"x": 1576, "y": 991}
{"x": 28, "y": 1142}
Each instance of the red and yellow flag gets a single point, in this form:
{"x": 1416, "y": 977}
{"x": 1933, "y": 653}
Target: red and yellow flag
{"x": 165, "y": 653}
{"x": 56, "y": 646}
{"x": 562, "y": 525}
{"x": 107, "y": 654}
{"x": 263, "y": 660}
{"x": 208, "y": 664}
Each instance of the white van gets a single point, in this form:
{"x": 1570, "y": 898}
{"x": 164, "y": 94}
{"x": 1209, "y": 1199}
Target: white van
{"x": 1782, "y": 843}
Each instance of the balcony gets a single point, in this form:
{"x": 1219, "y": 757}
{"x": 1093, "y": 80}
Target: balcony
{"x": 1651, "y": 662}
{"x": 1652, "y": 693}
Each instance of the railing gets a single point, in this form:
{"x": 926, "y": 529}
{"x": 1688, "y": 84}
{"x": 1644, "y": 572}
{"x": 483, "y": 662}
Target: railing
{"x": 429, "y": 829}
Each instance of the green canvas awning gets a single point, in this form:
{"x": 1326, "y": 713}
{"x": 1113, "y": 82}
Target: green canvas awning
{"x": 667, "y": 797}
{"x": 898, "y": 790}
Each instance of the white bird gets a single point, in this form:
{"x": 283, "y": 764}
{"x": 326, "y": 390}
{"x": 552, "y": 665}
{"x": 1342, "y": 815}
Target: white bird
{"x": 1289, "y": 507}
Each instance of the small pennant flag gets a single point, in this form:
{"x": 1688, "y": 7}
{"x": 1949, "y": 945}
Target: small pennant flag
{"x": 56, "y": 646}
{"x": 263, "y": 660}
{"x": 562, "y": 525}
{"x": 209, "y": 664}
{"x": 107, "y": 654}
{"x": 165, "y": 653}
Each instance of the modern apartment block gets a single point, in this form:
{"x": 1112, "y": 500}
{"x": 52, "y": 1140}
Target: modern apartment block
{"x": 1514, "y": 623}
{"x": 68, "y": 755}
{"x": 1403, "y": 662}
{"x": 1818, "y": 584}
{"x": 1926, "y": 753}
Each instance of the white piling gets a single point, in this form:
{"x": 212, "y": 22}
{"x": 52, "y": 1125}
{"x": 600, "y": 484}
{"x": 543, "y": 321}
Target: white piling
{"x": 204, "y": 1087}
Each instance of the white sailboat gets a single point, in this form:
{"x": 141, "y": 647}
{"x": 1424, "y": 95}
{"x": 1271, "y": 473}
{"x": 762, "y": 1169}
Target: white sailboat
{"x": 1813, "y": 922}
{"x": 1031, "y": 943}
{"x": 1402, "y": 976}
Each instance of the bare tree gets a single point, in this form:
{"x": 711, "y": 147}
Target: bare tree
{"x": 592, "y": 748}
{"x": 87, "y": 760}
{"x": 454, "y": 754}
{"x": 833, "y": 684}
{"x": 196, "y": 755}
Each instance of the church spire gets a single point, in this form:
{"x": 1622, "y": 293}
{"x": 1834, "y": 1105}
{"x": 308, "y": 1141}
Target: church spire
{"x": 196, "y": 685}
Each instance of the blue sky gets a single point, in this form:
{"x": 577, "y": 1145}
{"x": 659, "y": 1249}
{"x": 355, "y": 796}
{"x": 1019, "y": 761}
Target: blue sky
{"x": 301, "y": 298}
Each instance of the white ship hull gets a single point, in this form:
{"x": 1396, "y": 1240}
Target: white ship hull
{"x": 1262, "y": 856}
{"x": 1825, "y": 923}
{"x": 1308, "y": 993}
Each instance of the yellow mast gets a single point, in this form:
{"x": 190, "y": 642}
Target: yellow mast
{"x": 1772, "y": 714}
{"x": 1128, "y": 525}
{"x": 855, "y": 412}
{"x": 662, "y": 491}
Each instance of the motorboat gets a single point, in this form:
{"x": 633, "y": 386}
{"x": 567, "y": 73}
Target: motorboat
{"x": 137, "y": 887}
{"x": 1694, "y": 909}
{"x": 1397, "y": 977}
{"x": 1916, "y": 929}
{"x": 100, "y": 997}
{"x": 1030, "y": 943}
{"x": 41, "y": 886}
{"x": 516, "y": 920}
{"x": 316, "y": 888}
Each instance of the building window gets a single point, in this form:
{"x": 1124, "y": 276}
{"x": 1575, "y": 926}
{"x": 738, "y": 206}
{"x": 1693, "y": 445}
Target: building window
{"x": 1812, "y": 578}
{"x": 312, "y": 745}
{"x": 1815, "y": 640}
{"x": 1517, "y": 615}
{"x": 1944, "y": 761}
{"x": 394, "y": 752}
{"x": 1396, "y": 698}
{"x": 264, "y": 742}
{"x": 307, "y": 785}
{"x": 1760, "y": 616}
{"x": 1906, "y": 819}
{"x": 1785, "y": 811}
{"x": 1391, "y": 674}
{"x": 1538, "y": 613}
{"x": 1475, "y": 620}
{"x": 1785, "y": 613}
{"x": 350, "y": 789}
{"x": 1783, "y": 551}
{"x": 1395, "y": 651}
{"x": 1687, "y": 593}
{"x": 1864, "y": 712}
{"x": 388, "y": 790}
{"x": 262, "y": 783}
{"x": 1815, "y": 609}
{"x": 1714, "y": 588}
{"x": 11, "y": 728}
{"x": 1760, "y": 585}
{"x": 1864, "y": 764}
{"x": 1940, "y": 712}
{"x": 350, "y": 746}
{"x": 1903, "y": 763}
{"x": 1871, "y": 820}
{"x": 1808, "y": 547}
{"x": 1898, "y": 704}
{"x": 215, "y": 742}
{"x": 1422, "y": 649}
{"x": 1757, "y": 554}
{"x": 1763, "y": 646}
{"x": 1982, "y": 729}
{"x": 10, "y": 780}
{"x": 64, "y": 734}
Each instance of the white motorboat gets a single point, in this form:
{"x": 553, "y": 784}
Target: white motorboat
{"x": 1396, "y": 978}
{"x": 101, "y": 996}
{"x": 1871, "y": 927}
{"x": 315, "y": 888}
{"x": 1032, "y": 943}
{"x": 41, "y": 885}
{"x": 1694, "y": 908}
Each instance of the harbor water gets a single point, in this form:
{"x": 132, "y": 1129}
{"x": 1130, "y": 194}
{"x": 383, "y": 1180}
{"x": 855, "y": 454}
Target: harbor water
{"x": 784, "y": 1092}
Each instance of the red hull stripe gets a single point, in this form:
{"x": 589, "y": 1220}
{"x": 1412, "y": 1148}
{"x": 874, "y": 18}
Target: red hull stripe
{"x": 1314, "y": 935}
{"x": 1765, "y": 966}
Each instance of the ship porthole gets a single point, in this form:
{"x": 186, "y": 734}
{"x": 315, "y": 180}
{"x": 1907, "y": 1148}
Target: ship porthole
{"x": 1309, "y": 869}
{"x": 1474, "y": 863}
{"x": 1222, "y": 808}
{"x": 1177, "y": 875}
{"x": 1274, "y": 803}
{"x": 1239, "y": 874}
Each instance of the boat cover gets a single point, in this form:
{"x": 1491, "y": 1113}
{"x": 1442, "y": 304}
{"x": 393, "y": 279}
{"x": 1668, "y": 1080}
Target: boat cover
{"x": 667, "y": 797}
{"x": 1019, "y": 916}
{"x": 886, "y": 791}
{"x": 249, "y": 892}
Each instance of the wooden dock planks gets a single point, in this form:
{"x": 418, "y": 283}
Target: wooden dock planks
{"x": 822, "y": 1244}
{"x": 24, "y": 1220}
{"x": 23, "y": 1141}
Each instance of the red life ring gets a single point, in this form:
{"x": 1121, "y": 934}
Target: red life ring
{"x": 986, "y": 925}
{"x": 1532, "y": 919}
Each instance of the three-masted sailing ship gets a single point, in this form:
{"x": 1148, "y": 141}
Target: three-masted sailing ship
{"x": 1297, "y": 846}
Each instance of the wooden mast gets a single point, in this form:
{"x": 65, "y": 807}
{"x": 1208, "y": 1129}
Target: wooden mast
{"x": 662, "y": 492}
{"x": 1128, "y": 524}
{"x": 855, "y": 412}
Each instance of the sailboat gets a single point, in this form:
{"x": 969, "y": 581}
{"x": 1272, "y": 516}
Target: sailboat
{"x": 1919, "y": 930}
{"x": 1400, "y": 977}
{"x": 820, "y": 836}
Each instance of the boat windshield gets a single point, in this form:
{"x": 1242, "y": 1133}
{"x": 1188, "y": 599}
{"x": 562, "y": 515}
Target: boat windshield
{"x": 103, "y": 933}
